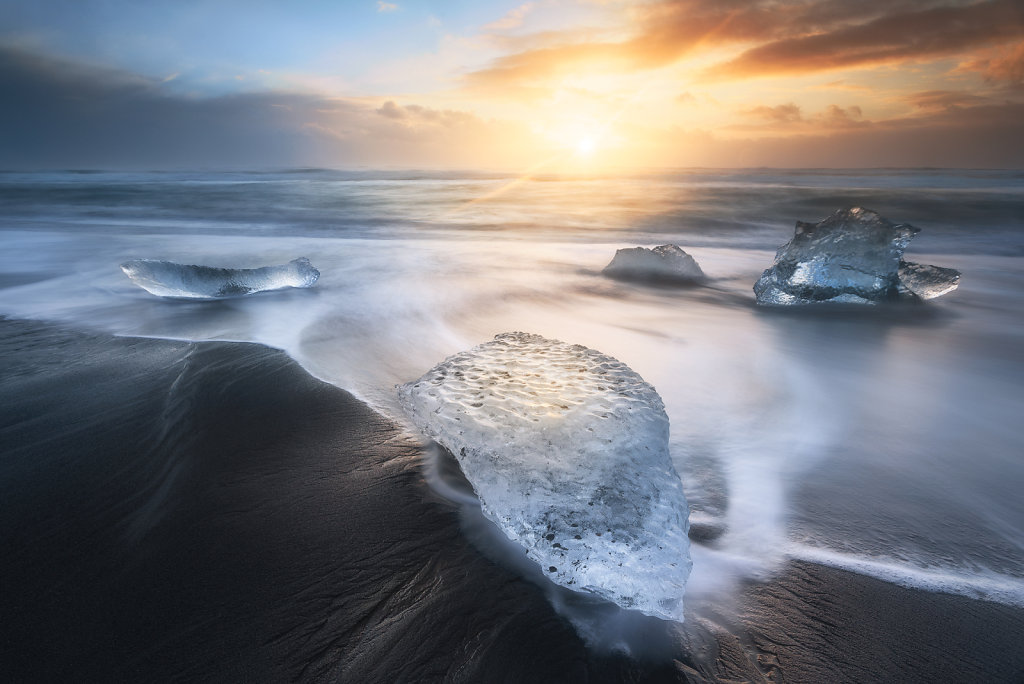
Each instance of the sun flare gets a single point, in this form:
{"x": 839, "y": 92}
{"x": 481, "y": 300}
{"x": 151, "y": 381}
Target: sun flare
{"x": 585, "y": 146}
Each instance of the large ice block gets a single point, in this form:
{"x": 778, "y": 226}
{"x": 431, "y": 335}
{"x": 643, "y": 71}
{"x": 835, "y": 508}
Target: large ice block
{"x": 567, "y": 450}
{"x": 853, "y": 256}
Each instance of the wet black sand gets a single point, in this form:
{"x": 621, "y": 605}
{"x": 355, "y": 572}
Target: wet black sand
{"x": 210, "y": 512}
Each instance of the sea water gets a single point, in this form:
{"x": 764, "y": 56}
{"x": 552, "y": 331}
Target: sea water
{"x": 886, "y": 441}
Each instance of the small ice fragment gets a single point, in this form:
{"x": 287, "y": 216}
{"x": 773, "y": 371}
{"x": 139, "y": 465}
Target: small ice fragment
{"x": 665, "y": 263}
{"x": 927, "y": 282}
{"x": 567, "y": 450}
{"x": 186, "y": 281}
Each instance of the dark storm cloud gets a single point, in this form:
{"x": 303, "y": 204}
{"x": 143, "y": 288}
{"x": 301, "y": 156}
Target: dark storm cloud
{"x": 58, "y": 114}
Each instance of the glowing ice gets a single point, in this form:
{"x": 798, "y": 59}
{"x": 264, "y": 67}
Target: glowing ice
{"x": 186, "y": 281}
{"x": 567, "y": 450}
{"x": 853, "y": 256}
{"x": 665, "y": 263}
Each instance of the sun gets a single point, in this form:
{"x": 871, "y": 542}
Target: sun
{"x": 585, "y": 146}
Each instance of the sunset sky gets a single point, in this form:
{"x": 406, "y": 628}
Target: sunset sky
{"x": 553, "y": 84}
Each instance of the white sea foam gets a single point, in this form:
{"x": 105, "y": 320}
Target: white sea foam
{"x": 769, "y": 413}
{"x": 983, "y": 585}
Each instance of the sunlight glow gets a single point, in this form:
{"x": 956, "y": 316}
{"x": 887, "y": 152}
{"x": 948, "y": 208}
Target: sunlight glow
{"x": 585, "y": 147}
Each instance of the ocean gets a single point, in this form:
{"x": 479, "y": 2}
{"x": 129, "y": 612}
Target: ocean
{"x": 885, "y": 441}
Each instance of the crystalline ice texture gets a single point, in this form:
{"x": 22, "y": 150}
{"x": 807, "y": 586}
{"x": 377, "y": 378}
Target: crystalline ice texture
{"x": 666, "y": 263}
{"x": 851, "y": 256}
{"x": 185, "y": 281}
{"x": 567, "y": 450}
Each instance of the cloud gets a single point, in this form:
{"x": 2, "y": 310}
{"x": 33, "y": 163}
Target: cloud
{"x": 392, "y": 111}
{"x": 1004, "y": 67}
{"x": 843, "y": 86}
{"x": 890, "y": 38}
{"x": 386, "y": 6}
{"x": 789, "y": 119}
{"x": 57, "y": 114}
{"x": 835, "y": 116}
{"x": 775, "y": 37}
{"x": 513, "y": 19}
{"x": 988, "y": 136}
{"x": 417, "y": 115}
{"x": 786, "y": 113}
{"x": 944, "y": 99}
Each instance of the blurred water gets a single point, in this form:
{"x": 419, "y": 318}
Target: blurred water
{"x": 885, "y": 441}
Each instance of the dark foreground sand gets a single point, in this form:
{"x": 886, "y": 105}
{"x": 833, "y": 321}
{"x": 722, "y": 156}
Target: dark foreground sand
{"x": 209, "y": 512}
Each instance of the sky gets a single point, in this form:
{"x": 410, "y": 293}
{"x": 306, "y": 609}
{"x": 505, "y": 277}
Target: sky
{"x": 560, "y": 85}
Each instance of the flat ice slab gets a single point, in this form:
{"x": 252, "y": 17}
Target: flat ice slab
{"x": 567, "y": 450}
{"x": 927, "y": 282}
{"x": 665, "y": 263}
{"x": 187, "y": 281}
{"x": 853, "y": 256}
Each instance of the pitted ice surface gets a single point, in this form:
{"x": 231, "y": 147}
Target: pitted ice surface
{"x": 567, "y": 450}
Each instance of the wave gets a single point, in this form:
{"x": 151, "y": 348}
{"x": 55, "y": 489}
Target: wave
{"x": 981, "y": 585}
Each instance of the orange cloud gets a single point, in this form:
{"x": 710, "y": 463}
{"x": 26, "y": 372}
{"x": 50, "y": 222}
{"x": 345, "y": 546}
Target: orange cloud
{"x": 896, "y": 37}
{"x": 786, "y": 113}
{"x": 789, "y": 118}
{"x": 985, "y": 136}
{"x": 944, "y": 99}
{"x": 1004, "y": 67}
{"x": 787, "y": 37}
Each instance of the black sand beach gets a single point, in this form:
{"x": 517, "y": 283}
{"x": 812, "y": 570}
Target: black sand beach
{"x": 210, "y": 512}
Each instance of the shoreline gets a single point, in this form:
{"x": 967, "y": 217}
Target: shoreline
{"x": 210, "y": 510}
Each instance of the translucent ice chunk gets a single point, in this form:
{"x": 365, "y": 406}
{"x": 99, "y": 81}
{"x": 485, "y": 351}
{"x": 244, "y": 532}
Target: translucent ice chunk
{"x": 851, "y": 256}
{"x": 567, "y": 450}
{"x": 186, "y": 281}
{"x": 665, "y": 263}
{"x": 927, "y": 282}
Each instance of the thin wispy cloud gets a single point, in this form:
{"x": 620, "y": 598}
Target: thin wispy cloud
{"x": 513, "y": 19}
